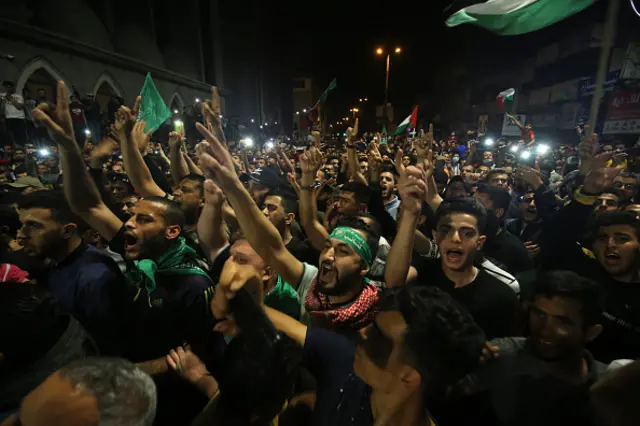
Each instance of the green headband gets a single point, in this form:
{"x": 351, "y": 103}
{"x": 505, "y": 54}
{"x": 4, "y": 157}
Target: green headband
{"x": 356, "y": 241}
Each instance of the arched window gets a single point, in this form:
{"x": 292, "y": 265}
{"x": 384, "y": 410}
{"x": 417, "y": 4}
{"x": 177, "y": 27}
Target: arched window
{"x": 40, "y": 74}
{"x": 176, "y": 104}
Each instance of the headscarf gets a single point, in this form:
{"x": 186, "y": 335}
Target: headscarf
{"x": 355, "y": 240}
{"x": 355, "y": 316}
{"x": 179, "y": 259}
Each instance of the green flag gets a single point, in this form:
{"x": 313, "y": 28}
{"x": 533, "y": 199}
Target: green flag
{"x": 153, "y": 110}
{"x": 332, "y": 85}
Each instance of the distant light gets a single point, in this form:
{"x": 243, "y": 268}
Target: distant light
{"x": 87, "y": 132}
{"x": 330, "y": 125}
{"x": 542, "y": 149}
{"x": 253, "y": 121}
{"x": 379, "y": 51}
{"x": 44, "y": 152}
{"x": 221, "y": 116}
{"x": 247, "y": 141}
{"x": 360, "y": 99}
{"x": 261, "y": 127}
{"x": 297, "y": 112}
{"x": 525, "y": 155}
{"x": 366, "y": 99}
{"x": 398, "y": 50}
{"x": 488, "y": 142}
{"x": 351, "y": 110}
{"x": 266, "y": 124}
{"x": 175, "y": 111}
{"x": 271, "y": 140}
{"x": 304, "y": 110}
{"x": 514, "y": 148}
{"x": 197, "y": 100}
{"x": 177, "y": 123}
{"x": 269, "y": 145}
{"x": 275, "y": 123}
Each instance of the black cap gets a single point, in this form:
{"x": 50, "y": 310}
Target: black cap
{"x": 268, "y": 177}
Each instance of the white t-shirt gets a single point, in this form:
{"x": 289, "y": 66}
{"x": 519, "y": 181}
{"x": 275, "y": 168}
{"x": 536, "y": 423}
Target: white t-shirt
{"x": 11, "y": 111}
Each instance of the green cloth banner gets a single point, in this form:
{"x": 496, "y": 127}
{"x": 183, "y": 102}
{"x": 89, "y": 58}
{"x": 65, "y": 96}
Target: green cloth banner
{"x": 153, "y": 110}
{"x": 356, "y": 241}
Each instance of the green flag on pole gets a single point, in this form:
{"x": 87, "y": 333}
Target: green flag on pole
{"x": 153, "y": 110}
{"x": 332, "y": 85}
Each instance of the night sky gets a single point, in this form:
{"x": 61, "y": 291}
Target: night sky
{"x": 327, "y": 39}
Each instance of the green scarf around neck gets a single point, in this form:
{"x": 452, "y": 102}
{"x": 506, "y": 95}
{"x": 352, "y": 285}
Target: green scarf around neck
{"x": 179, "y": 259}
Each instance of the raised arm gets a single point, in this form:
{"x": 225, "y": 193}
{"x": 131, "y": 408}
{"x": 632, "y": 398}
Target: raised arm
{"x": 210, "y": 224}
{"x": 515, "y": 121}
{"x": 265, "y": 239}
{"x": 178, "y": 167}
{"x": 79, "y": 189}
{"x": 193, "y": 168}
{"x": 134, "y": 164}
{"x": 413, "y": 190}
{"x": 310, "y": 163}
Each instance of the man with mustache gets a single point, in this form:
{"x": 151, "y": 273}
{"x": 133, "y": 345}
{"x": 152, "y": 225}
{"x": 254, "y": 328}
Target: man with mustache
{"x": 338, "y": 297}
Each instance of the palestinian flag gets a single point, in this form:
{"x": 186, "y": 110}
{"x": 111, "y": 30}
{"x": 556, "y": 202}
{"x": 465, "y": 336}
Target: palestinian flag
{"x": 505, "y": 99}
{"x": 409, "y": 122}
{"x": 513, "y": 17}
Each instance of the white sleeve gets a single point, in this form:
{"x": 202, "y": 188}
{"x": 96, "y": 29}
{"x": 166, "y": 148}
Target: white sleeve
{"x": 501, "y": 275}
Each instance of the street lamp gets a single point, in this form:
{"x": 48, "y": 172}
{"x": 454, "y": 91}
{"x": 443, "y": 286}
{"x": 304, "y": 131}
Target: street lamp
{"x": 380, "y": 52}
{"x": 297, "y": 112}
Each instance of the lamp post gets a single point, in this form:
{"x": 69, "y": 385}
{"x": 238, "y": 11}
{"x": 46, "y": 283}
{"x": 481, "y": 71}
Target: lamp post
{"x": 380, "y": 51}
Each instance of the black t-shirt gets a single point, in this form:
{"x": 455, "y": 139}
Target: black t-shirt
{"x": 174, "y": 313}
{"x": 620, "y": 337}
{"x": 302, "y": 250}
{"x": 507, "y": 250}
{"x": 493, "y": 305}
{"x": 342, "y": 397}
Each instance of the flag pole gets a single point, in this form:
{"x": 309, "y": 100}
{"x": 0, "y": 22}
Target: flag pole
{"x": 607, "y": 43}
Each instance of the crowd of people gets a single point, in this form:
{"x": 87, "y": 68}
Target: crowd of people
{"x": 356, "y": 281}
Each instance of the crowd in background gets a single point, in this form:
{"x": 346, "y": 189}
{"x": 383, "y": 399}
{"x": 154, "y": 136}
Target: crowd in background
{"x": 353, "y": 281}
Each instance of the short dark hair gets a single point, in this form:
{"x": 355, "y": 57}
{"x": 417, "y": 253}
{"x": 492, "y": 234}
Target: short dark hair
{"x": 442, "y": 340}
{"x": 466, "y": 205}
{"x": 499, "y": 196}
{"x": 172, "y": 214}
{"x": 361, "y": 191}
{"x": 492, "y": 172}
{"x": 53, "y": 201}
{"x": 372, "y": 231}
{"x": 390, "y": 169}
{"x": 618, "y": 218}
{"x": 288, "y": 200}
{"x": 574, "y": 286}
{"x": 198, "y": 179}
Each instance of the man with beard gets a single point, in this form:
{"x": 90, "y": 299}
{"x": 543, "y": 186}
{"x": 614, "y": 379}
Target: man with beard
{"x": 338, "y": 297}
{"x": 564, "y": 316}
{"x": 87, "y": 282}
{"x": 189, "y": 194}
{"x": 419, "y": 344}
{"x": 353, "y": 199}
{"x": 502, "y": 246}
{"x": 459, "y": 234}
{"x": 167, "y": 307}
{"x": 387, "y": 190}
{"x": 616, "y": 249}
